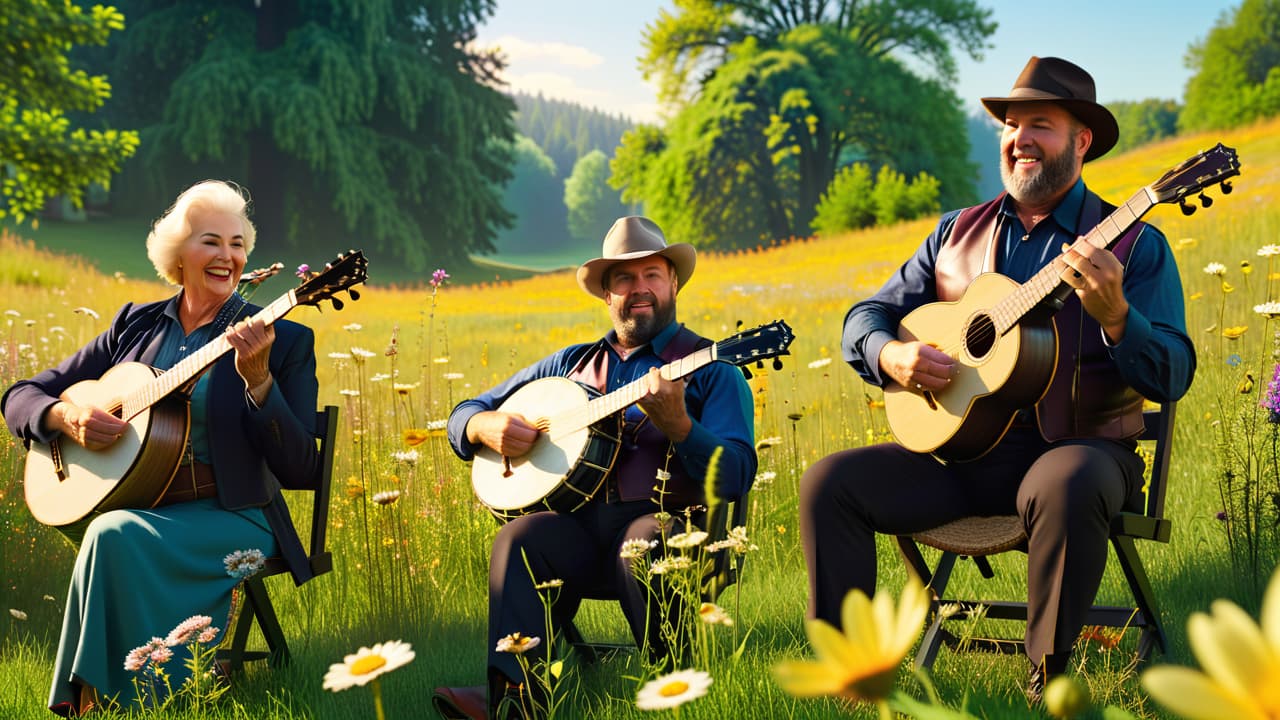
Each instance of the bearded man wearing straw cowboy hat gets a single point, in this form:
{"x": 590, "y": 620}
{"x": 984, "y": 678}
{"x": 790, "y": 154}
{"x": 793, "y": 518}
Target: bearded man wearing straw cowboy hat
{"x": 666, "y": 444}
{"x": 1068, "y": 463}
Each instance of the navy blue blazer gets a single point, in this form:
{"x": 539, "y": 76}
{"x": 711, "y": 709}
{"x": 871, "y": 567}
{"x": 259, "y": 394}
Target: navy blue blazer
{"x": 255, "y": 451}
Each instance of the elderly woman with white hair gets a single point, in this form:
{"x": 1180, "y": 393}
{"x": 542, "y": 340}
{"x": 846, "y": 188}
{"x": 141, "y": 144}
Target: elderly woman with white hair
{"x": 139, "y": 573}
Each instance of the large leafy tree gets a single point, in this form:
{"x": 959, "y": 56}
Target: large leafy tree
{"x": 41, "y": 154}
{"x": 1236, "y": 69}
{"x": 368, "y": 122}
{"x": 592, "y": 204}
{"x": 746, "y": 157}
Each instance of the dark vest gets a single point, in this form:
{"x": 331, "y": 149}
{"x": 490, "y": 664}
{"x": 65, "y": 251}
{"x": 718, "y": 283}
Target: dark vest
{"x": 644, "y": 452}
{"x": 1087, "y": 397}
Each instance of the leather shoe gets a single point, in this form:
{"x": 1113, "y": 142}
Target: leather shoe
{"x": 462, "y": 703}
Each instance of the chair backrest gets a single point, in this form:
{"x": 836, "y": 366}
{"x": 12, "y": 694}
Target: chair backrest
{"x": 327, "y": 434}
{"x": 1159, "y": 428}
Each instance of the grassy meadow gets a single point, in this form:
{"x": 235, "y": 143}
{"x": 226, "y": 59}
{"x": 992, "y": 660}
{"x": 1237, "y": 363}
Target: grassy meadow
{"x": 415, "y": 570}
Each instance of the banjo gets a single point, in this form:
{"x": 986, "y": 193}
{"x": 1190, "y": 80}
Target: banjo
{"x": 66, "y": 484}
{"x": 581, "y": 430}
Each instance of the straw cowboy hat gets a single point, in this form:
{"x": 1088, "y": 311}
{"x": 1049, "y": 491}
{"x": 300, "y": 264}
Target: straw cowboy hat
{"x": 632, "y": 238}
{"x": 1055, "y": 80}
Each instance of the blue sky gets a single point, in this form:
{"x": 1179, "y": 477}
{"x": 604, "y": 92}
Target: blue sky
{"x": 586, "y": 50}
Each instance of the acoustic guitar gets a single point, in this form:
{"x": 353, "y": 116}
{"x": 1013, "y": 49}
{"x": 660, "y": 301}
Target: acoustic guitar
{"x": 1005, "y": 354}
{"x": 66, "y": 484}
{"x": 581, "y": 430}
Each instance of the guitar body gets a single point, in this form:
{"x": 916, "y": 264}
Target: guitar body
{"x": 66, "y": 485}
{"x": 562, "y": 471}
{"x": 994, "y": 375}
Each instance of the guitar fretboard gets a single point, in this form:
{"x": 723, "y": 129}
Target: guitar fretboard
{"x": 190, "y": 366}
{"x": 605, "y": 405}
{"x": 1009, "y": 312}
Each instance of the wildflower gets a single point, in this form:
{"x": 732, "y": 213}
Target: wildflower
{"x": 1215, "y": 268}
{"x": 1106, "y": 637}
{"x": 17, "y": 613}
{"x": 1245, "y": 267}
{"x": 861, "y": 662}
{"x": 1195, "y": 296}
{"x": 1066, "y": 697}
{"x": 367, "y": 664}
{"x": 662, "y": 475}
{"x": 687, "y": 540}
{"x": 86, "y": 311}
{"x": 404, "y": 388}
{"x": 636, "y": 548}
{"x": 673, "y": 690}
{"x": 14, "y": 313}
{"x": 438, "y": 277}
{"x": 950, "y": 610}
{"x": 1234, "y": 332}
{"x": 48, "y": 598}
{"x": 549, "y": 584}
{"x": 386, "y": 497}
{"x": 408, "y": 457}
{"x": 452, "y": 376}
{"x": 1270, "y": 309}
{"x": 1221, "y": 516}
{"x": 243, "y": 563}
{"x": 441, "y": 360}
{"x": 155, "y": 651}
{"x": 379, "y": 377}
{"x": 437, "y": 425}
{"x": 303, "y": 271}
{"x": 1268, "y": 250}
{"x": 1271, "y": 398}
{"x": 670, "y": 564}
{"x": 414, "y": 436}
{"x": 360, "y": 354}
{"x": 736, "y": 541}
{"x": 339, "y": 356}
{"x": 517, "y": 644}
{"x": 764, "y": 479}
{"x": 795, "y": 416}
{"x": 192, "y": 626}
{"x": 821, "y": 363}
{"x": 353, "y": 327}
{"x": 713, "y": 614}
{"x": 766, "y": 443}
{"x": 1240, "y": 663}
{"x": 355, "y": 488}
{"x": 348, "y": 392}
{"x": 1233, "y": 360}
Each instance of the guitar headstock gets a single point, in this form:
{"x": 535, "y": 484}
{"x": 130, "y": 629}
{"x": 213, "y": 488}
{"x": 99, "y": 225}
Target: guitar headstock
{"x": 748, "y": 346}
{"x": 1195, "y": 174}
{"x": 348, "y": 270}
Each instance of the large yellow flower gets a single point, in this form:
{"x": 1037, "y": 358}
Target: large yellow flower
{"x": 1240, "y": 661}
{"x": 861, "y": 662}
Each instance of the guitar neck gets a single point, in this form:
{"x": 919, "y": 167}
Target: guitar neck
{"x": 1009, "y": 312}
{"x": 625, "y": 396}
{"x": 192, "y": 365}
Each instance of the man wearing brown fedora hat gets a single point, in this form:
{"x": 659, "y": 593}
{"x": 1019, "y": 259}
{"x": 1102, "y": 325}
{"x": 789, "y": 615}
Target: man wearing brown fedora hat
{"x": 1068, "y": 463}
{"x": 666, "y": 444}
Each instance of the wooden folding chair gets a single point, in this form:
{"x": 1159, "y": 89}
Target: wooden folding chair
{"x": 721, "y": 574}
{"x": 977, "y": 538}
{"x": 257, "y": 602}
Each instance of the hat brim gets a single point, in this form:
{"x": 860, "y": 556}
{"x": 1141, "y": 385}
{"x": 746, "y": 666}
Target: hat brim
{"x": 682, "y": 256}
{"x": 1098, "y": 119}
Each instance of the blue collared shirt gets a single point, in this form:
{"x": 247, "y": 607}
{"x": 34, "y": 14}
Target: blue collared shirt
{"x": 1155, "y": 357}
{"x": 716, "y": 395}
{"x": 174, "y": 346}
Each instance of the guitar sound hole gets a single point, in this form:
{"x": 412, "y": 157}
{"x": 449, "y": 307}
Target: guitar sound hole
{"x": 980, "y": 336}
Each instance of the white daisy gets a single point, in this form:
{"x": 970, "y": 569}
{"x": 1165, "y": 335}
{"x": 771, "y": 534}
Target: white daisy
{"x": 1215, "y": 268}
{"x": 673, "y": 690}
{"x": 367, "y": 664}
{"x": 636, "y": 548}
{"x": 687, "y": 540}
{"x": 821, "y": 363}
{"x": 517, "y": 644}
{"x": 1270, "y": 309}
{"x": 243, "y": 563}
{"x": 1268, "y": 250}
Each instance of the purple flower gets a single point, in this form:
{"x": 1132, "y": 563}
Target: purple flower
{"x": 438, "y": 277}
{"x": 303, "y": 270}
{"x": 1271, "y": 398}
{"x": 1222, "y": 515}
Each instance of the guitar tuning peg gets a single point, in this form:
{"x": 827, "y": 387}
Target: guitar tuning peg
{"x": 1205, "y": 200}
{"x": 1186, "y": 209}
{"x": 337, "y": 304}
{"x": 760, "y": 364}
{"x": 1226, "y": 187}
{"x": 746, "y": 372}
{"x": 738, "y": 325}
{"x": 355, "y": 294}
{"x": 777, "y": 363}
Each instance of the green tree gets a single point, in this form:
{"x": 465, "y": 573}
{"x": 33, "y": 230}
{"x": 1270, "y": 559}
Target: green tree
{"x": 1235, "y": 70}
{"x": 747, "y": 159}
{"x": 592, "y": 204}
{"x": 40, "y": 153}
{"x": 372, "y": 119}
{"x": 847, "y": 203}
{"x": 1144, "y": 121}
{"x": 534, "y": 198}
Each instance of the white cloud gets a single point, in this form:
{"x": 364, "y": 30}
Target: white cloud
{"x": 520, "y": 52}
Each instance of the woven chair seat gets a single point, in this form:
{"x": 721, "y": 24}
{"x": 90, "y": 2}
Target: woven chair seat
{"x": 976, "y": 536}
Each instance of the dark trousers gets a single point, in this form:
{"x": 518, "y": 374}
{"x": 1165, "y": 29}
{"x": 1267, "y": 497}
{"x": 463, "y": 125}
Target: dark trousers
{"x": 580, "y": 548}
{"x": 1066, "y": 494}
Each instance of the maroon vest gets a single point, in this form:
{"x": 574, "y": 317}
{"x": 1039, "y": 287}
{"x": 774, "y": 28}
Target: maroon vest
{"x": 1087, "y": 397}
{"x": 644, "y": 449}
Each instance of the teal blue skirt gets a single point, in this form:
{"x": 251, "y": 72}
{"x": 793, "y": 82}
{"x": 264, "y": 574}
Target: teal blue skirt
{"x": 140, "y": 573}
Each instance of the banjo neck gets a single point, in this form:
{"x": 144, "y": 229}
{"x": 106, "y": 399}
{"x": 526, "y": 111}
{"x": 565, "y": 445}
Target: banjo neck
{"x": 605, "y": 405}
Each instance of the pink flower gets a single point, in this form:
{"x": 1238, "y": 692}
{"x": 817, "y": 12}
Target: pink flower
{"x": 208, "y": 635}
{"x": 303, "y": 270}
{"x": 188, "y": 628}
{"x": 437, "y": 277}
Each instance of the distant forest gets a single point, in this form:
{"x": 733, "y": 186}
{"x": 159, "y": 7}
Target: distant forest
{"x": 566, "y": 131}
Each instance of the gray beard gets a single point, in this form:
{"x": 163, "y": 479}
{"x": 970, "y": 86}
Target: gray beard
{"x": 1056, "y": 174}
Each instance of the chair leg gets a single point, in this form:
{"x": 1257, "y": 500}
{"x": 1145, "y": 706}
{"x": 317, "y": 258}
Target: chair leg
{"x": 256, "y": 593}
{"x": 1143, "y": 595}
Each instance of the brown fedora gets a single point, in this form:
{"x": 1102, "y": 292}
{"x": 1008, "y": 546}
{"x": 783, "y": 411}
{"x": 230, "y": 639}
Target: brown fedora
{"x": 1055, "y": 80}
{"x": 631, "y": 238}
